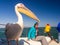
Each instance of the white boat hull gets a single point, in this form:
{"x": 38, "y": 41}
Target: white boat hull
{"x": 37, "y": 42}
{"x": 33, "y": 42}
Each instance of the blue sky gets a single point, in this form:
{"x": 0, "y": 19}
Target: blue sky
{"x": 48, "y": 11}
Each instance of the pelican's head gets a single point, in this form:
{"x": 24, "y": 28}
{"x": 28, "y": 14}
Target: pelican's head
{"x": 23, "y": 9}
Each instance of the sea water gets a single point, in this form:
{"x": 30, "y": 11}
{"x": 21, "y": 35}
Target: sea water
{"x": 53, "y": 32}
{"x": 3, "y": 40}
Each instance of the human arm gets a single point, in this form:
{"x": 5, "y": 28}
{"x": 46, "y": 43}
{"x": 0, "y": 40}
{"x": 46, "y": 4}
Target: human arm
{"x": 29, "y": 33}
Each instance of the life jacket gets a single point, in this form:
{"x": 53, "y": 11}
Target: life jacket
{"x": 47, "y": 28}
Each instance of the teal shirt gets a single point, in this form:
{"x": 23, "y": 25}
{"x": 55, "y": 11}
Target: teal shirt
{"x": 32, "y": 33}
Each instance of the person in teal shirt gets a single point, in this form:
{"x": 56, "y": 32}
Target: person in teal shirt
{"x": 32, "y": 32}
{"x": 32, "y": 35}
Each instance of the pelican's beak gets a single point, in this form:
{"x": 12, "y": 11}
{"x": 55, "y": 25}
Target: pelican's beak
{"x": 27, "y": 12}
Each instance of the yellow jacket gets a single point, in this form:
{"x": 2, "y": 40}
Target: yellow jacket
{"x": 47, "y": 28}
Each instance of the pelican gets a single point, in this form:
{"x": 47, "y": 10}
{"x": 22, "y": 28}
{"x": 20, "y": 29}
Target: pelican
{"x": 14, "y": 31}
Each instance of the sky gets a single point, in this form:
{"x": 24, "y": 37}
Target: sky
{"x": 48, "y": 11}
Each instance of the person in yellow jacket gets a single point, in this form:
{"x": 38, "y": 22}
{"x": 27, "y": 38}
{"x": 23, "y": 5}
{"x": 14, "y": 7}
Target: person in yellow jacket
{"x": 47, "y": 30}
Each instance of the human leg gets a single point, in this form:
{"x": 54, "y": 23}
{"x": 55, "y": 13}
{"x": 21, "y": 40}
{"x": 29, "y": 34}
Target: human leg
{"x": 50, "y": 35}
{"x": 43, "y": 40}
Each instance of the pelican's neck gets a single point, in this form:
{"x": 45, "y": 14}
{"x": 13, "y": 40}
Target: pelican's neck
{"x": 20, "y": 19}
